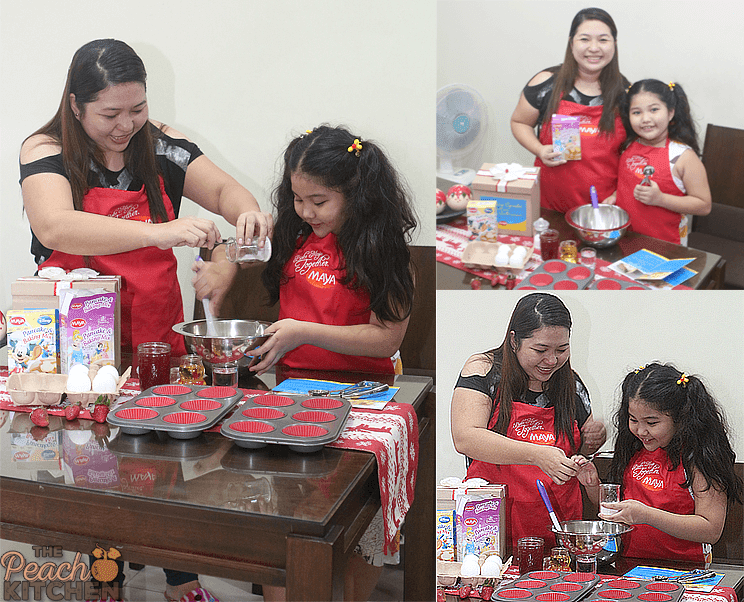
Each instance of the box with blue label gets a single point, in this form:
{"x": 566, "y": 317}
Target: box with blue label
{"x": 516, "y": 193}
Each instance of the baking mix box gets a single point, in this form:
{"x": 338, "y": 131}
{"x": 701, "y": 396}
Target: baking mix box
{"x": 566, "y": 132}
{"x": 87, "y": 326}
{"x": 483, "y": 220}
{"x": 33, "y": 341}
{"x": 89, "y": 464}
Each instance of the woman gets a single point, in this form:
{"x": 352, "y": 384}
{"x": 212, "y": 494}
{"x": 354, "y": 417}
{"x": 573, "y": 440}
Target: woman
{"x": 589, "y": 85}
{"x": 102, "y": 187}
{"x": 521, "y": 413}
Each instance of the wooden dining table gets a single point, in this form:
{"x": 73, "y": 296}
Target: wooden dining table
{"x": 710, "y": 267}
{"x": 201, "y": 516}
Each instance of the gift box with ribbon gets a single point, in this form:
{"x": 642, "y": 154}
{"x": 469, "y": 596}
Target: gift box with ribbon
{"x": 516, "y": 191}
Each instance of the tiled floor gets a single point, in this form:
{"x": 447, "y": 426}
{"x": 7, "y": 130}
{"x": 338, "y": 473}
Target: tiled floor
{"x": 148, "y": 584}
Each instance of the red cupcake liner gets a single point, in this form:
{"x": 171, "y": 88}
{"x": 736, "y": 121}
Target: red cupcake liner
{"x": 554, "y": 267}
{"x": 171, "y": 390}
{"x": 541, "y": 279}
{"x": 579, "y": 273}
{"x": 251, "y": 426}
{"x": 608, "y": 284}
{"x": 580, "y": 577}
{"x": 552, "y": 597}
{"x": 655, "y": 597}
{"x": 663, "y": 586}
{"x": 615, "y": 594}
{"x": 184, "y": 418}
{"x": 566, "y": 285}
{"x": 530, "y": 583}
{"x": 135, "y": 414}
{"x": 201, "y": 405}
{"x": 263, "y": 413}
{"x": 623, "y": 584}
{"x": 515, "y": 593}
{"x": 565, "y": 587}
{"x": 314, "y": 417}
{"x": 273, "y": 400}
{"x": 155, "y": 402}
{"x": 544, "y": 575}
{"x": 322, "y": 403}
{"x": 304, "y": 430}
{"x": 217, "y": 392}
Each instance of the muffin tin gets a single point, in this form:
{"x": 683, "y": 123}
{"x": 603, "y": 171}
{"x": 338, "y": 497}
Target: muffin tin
{"x": 183, "y": 411}
{"x": 304, "y": 423}
{"x": 631, "y": 590}
{"x": 556, "y": 274}
{"x": 611, "y": 284}
{"x": 548, "y": 586}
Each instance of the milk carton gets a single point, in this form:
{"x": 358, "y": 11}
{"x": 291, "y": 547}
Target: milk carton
{"x": 566, "y": 136}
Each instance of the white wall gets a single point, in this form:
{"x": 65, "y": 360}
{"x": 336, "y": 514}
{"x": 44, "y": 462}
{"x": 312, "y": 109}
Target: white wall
{"x": 238, "y": 77}
{"x": 613, "y": 333}
{"x": 496, "y": 46}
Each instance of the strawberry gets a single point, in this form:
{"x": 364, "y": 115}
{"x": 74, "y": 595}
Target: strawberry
{"x": 441, "y": 597}
{"x": 100, "y": 409}
{"x": 72, "y": 411}
{"x": 39, "y": 433}
{"x": 487, "y": 592}
{"x": 464, "y": 592}
{"x": 40, "y": 417}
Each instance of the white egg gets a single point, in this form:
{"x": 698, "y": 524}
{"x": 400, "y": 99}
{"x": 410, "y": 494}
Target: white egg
{"x": 79, "y": 437}
{"x": 520, "y": 251}
{"x": 104, "y": 383}
{"x": 78, "y": 369}
{"x": 470, "y": 557}
{"x": 516, "y": 261}
{"x": 109, "y": 369}
{"x": 78, "y": 383}
{"x": 470, "y": 569}
{"x": 491, "y": 566}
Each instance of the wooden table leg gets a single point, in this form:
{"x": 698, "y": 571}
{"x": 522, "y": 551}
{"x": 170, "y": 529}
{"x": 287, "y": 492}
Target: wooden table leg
{"x": 316, "y": 567}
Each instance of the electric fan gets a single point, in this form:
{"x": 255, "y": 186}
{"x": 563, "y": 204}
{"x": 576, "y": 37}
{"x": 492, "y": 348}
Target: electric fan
{"x": 462, "y": 120}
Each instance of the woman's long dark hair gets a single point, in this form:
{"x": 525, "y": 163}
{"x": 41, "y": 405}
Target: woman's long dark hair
{"x": 96, "y": 66}
{"x": 532, "y": 312}
{"x": 701, "y": 438}
{"x": 681, "y": 128}
{"x": 611, "y": 81}
{"x": 376, "y": 224}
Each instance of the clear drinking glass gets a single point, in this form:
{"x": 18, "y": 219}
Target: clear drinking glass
{"x": 608, "y": 493}
{"x": 247, "y": 252}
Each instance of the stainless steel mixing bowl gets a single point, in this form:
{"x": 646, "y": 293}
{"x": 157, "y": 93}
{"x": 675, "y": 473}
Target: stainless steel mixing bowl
{"x": 233, "y": 338}
{"x": 599, "y": 227}
{"x": 591, "y": 537}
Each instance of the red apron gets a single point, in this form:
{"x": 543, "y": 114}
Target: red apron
{"x": 658, "y": 222}
{"x": 526, "y": 513}
{"x": 150, "y": 294}
{"x": 314, "y": 292}
{"x": 564, "y": 187}
{"x": 649, "y": 479}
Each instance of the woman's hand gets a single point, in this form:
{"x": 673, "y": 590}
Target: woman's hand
{"x": 285, "y": 335}
{"x": 254, "y": 224}
{"x": 648, "y": 195}
{"x": 630, "y": 512}
{"x": 212, "y": 280}
{"x": 554, "y": 463}
{"x": 593, "y": 434}
{"x": 185, "y": 232}
{"x": 610, "y": 200}
{"x": 550, "y": 157}
{"x": 587, "y": 474}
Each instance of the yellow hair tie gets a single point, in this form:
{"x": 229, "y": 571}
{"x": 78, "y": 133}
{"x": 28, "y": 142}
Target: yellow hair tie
{"x": 639, "y": 369}
{"x": 683, "y": 380}
{"x": 356, "y": 146}
{"x": 671, "y": 86}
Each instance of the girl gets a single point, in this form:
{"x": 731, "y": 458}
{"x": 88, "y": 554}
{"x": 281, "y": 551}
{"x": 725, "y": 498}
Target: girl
{"x": 662, "y": 135}
{"x": 589, "y": 85}
{"x": 521, "y": 413}
{"x": 675, "y": 463}
{"x": 340, "y": 267}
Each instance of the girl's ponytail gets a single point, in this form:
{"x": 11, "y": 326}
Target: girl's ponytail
{"x": 682, "y": 127}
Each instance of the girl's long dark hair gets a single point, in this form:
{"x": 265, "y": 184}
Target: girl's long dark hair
{"x": 681, "y": 128}
{"x": 701, "y": 439}
{"x": 376, "y": 224}
{"x": 611, "y": 81}
{"x": 96, "y": 66}
{"x": 531, "y": 313}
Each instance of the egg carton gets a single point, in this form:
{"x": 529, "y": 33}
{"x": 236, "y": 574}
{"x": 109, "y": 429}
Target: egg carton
{"x": 632, "y": 590}
{"x": 304, "y": 423}
{"x": 482, "y": 255}
{"x": 182, "y": 411}
{"x": 547, "y": 586}
{"x": 556, "y": 274}
{"x": 36, "y": 388}
{"x": 611, "y": 284}
{"x": 450, "y": 571}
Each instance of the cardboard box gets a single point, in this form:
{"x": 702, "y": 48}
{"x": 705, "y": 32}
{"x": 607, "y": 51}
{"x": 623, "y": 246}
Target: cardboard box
{"x": 566, "y": 131}
{"x": 480, "y": 518}
{"x": 33, "y": 341}
{"x": 517, "y": 201}
{"x": 32, "y": 291}
{"x": 483, "y": 220}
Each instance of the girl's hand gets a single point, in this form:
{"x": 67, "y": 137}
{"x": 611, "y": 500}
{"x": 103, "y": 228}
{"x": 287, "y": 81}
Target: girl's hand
{"x": 186, "y": 232}
{"x": 212, "y": 280}
{"x": 554, "y": 463}
{"x": 254, "y": 224}
{"x": 648, "y": 195}
{"x": 630, "y": 512}
{"x": 587, "y": 474}
{"x": 285, "y": 335}
{"x": 549, "y": 157}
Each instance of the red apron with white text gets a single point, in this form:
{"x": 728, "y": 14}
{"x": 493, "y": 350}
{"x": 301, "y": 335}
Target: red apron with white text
{"x": 648, "y": 479}
{"x": 658, "y": 222}
{"x": 564, "y": 187}
{"x": 150, "y": 294}
{"x": 525, "y": 511}
{"x": 314, "y": 292}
